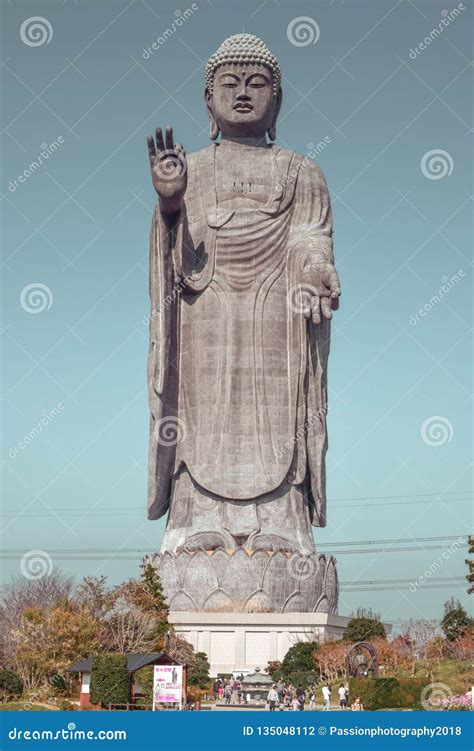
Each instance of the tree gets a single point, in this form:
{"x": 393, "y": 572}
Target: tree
{"x": 110, "y": 680}
{"x": 417, "y": 634}
{"x": 297, "y": 666}
{"x": 470, "y": 565}
{"x": 330, "y": 659}
{"x": 364, "y": 629}
{"x": 365, "y": 613}
{"x": 198, "y": 671}
{"x": 46, "y": 643}
{"x": 178, "y": 648}
{"x": 463, "y": 649}
{"x": 394, "y": 656}
{"x": 147, "y": 594}
{"x": 130, "y": 629}
{"x": 22, "y": 594}
{"x": 455, "y": 621}
{"x": 93, "y": 595}
{"x": 273, "y": 668}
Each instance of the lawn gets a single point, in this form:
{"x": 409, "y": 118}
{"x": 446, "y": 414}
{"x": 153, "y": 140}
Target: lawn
{"x": 458, "y": 676}
{"x": 23, "y": 706}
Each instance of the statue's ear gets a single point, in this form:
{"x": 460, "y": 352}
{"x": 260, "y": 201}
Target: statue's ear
{"x": 272, "y": 129}
{"x": 213, "y": 127}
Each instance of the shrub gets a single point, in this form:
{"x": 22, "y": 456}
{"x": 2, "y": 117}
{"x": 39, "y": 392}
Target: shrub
{"x": 10, "y": 683}
{"x": 198, "y": 671}
{"x": 364, "y": 629}
{"x": 387, "y": 693}
{"x": 110, "y": 680}
{"x": 66, "y": 706}
{"x": 463, "y": 702}
{"x": 58, "y": 684}
{"x": 144, "y": 678}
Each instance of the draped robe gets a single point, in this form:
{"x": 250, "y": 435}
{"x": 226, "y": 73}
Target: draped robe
{"x": 236, "y": 374}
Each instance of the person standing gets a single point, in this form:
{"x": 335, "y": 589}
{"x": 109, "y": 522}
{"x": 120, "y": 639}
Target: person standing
{"x": 357, "y": 705}
{"x": 272, "y": 697}
{"x": 228, "y": 693}
{"x": 280, "y": 687}
{"x": 235, "y": 691}
{"x": 342, "y": 696}
{"x": 326, "y": 697}
{"x": 301, "y": 696}
{"x": 312, "y": 697}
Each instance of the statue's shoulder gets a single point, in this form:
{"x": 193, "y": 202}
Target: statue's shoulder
{"x": 303, "y": 164}
{"x": 205, "y": 154}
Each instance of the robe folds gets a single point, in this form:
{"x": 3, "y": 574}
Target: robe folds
{"x": 236, "y": 374}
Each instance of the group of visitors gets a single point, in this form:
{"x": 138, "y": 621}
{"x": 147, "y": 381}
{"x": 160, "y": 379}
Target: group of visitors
{"x": 229, "y": 689}
{"x": 287, "y": 697}
{"x": 343, "y": 695}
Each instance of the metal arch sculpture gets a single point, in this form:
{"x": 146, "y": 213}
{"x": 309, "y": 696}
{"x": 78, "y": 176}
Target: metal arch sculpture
{"x": 362, "y": 661}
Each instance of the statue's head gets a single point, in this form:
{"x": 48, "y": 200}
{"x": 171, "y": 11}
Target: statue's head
{"x": 243, "y": 89}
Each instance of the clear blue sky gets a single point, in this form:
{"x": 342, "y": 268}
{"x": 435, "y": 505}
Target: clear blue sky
{"x": 80, "y": 224}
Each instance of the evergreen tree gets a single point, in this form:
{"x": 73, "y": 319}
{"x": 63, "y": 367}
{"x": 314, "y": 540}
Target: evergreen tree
{"x": 198, "y": 671}
{"x": 364, "y": 629}
{"x": 456, "y": 621}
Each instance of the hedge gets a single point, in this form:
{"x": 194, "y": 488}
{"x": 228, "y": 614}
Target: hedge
{"x": 10, "y": 682}
{"x": 387, "y": 693}
{"x": 110, "y": 680}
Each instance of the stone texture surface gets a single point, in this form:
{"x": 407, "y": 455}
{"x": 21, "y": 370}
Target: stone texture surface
{"x": 258, "y": 582}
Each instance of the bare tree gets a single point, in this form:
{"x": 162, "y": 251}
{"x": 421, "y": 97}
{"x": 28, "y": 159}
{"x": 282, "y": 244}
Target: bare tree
{"x": 131, "y": 629}
{"x": 418, "y": 633}
{"x": 178, "y": 648}
{"x": 21, "y": 594}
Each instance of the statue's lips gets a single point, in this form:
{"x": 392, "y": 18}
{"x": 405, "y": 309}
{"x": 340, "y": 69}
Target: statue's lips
{"x": 243, "y": 107}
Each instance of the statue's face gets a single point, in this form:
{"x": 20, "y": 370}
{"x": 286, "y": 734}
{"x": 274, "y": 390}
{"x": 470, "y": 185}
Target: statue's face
{"x": 242, "y": 102}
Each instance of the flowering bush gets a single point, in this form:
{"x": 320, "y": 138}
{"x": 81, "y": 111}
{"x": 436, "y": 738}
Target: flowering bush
{"x": 456, "y": 703}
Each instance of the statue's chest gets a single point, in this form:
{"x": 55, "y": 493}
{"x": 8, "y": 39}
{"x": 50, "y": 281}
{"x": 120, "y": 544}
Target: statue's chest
{"x": 244, "y": 182}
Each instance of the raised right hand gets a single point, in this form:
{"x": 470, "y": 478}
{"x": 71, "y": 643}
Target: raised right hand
{"x": 169, "y": 170}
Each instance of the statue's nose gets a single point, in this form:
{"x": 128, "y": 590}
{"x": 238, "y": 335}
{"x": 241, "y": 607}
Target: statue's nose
{"x": 243, "y": 94}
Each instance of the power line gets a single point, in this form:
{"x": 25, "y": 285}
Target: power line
{"x": 364, "y": 582}
{"x": 139, "y": 510}
{"x": 327, "y": 547}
